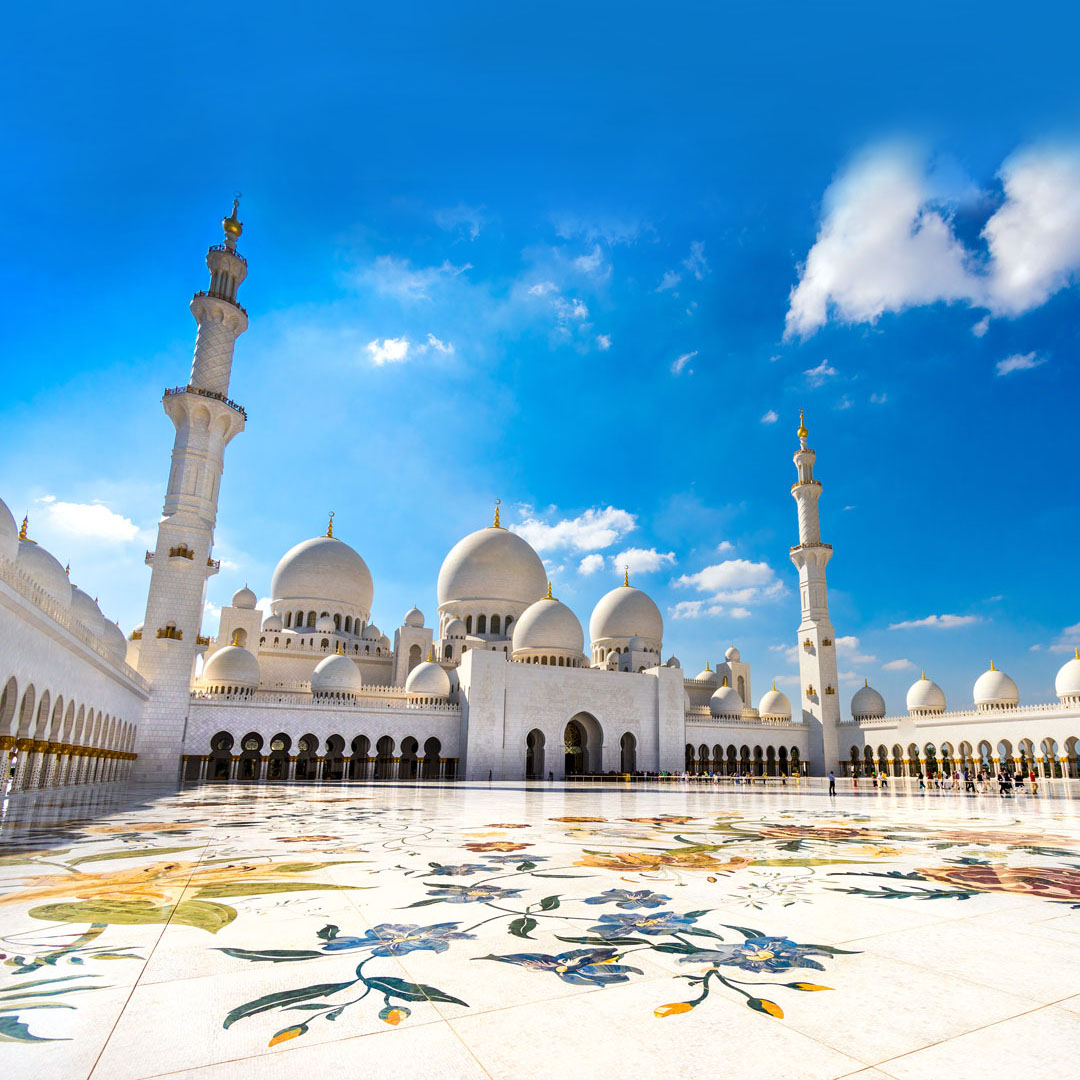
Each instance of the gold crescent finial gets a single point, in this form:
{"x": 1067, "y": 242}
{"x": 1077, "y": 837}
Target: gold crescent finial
{"x": 431, "y": 654}
{"x": 25, "y": 525}
{"x": 236, "y": 637}
{"x": 496, "y": 525}
{"x": 549, "y": 596}
{"x": 992, "y": 668}
{"x": 67, "y": 569}
{"x": 924, "y": 676}
{"x": 626, "y": 575}
{"x": 330, "y": 525}
{"x": 707, "y": 668}
{"x": 802, "y": 432}
{"x": 774, "y": 684}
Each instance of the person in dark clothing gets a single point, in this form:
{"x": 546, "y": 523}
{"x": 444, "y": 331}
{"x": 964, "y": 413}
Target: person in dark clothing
{"x": 832, "y": 783}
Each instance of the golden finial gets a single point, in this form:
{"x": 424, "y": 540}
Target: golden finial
{"x": 496, "y": 525}
{"x": 339, "y": 650}
{"x": 330, "y": 525}
{"x": 67, "y": 569}
{"x": 774, "y": 684}
{"x": 430, "y": 654}
{"x": 866, "y": 682}
{"x": 626, "y": 575}
{"x": 802, "y": 432}
{"x": 549, "y": 596}
{"x": 724, "y": 683}
{"x": 1078, "y": 652}
{"x": 232, "y": 225}
{"x": 236, "y": 637}
{"x": 923, "y": 676}
{"x": 707, "y": 668}
{"x": 22, "y": 531}
{"x": 992, "y": 668}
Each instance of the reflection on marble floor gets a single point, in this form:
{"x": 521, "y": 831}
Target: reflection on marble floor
{"x": 536, "y": 931}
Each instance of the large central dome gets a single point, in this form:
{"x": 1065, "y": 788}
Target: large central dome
{"x": 324, "y": 570}
{"x": 492, "y": 564}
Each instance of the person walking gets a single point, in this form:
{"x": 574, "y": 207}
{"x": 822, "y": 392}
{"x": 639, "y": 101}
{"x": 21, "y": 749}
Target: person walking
{"x": 832, "y": 782}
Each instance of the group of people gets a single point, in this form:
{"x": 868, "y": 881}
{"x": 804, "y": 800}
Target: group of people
{"x": 969, "y": 782}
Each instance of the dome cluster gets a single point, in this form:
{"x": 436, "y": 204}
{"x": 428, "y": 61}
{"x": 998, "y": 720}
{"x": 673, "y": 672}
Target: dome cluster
{"x": 548, "y": 632}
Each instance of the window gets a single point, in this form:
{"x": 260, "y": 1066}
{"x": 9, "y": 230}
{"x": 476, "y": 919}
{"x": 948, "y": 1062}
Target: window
{"x": 481, "y": 624}
{"x": 494, "y": 624}
{"x": 468, "y": 624}
{"x": 448, "y": 652}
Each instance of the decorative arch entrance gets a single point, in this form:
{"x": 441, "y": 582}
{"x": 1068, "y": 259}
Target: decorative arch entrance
{"x": 583, "y": 745}
{"x": 628, "y": 757}
{"x": 534, "y": 755}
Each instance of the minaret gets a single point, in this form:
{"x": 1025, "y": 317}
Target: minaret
{"x": 817, "y": 648}
{"x": 206, "y": 421}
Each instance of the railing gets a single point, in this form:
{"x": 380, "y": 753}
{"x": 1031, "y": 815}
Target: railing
{"x": 207, "y": 394}
{"x": 810, "y": 544}
{"x": 286, "y": 699}
{"x": 170, "y": 632}
{"x": 700, "y": 714}
{"x": 214, "y": 564}
{"x": 182, "y": 551}
{"x": 29, "y": 590}
{"x": 223, "y": 299}
{"x": 234, "y": 254}
{"x": 201, "y": 639}
{"x": 1014, "y": 712}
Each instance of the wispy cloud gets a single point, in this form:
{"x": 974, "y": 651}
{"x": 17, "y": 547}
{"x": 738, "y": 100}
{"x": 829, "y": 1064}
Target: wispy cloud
{"x": 737, "y": 582}
{"x": 595, "y": 528}
{"x": 642, "y": 560}
{"x": 670, "y": 279}
{"x": 816, "y": 376}
{"x": 936, "y": 622}
{"x": 678, "y": 365}
{"x": 902, "y": 664}
{"x": 1018, "y": 362}
{"x": 849, "y": 649}
{"x": 770, "y": 417}
{"x": 461, "y": 218}
{"x": 696, "y": 263}
{"x": 603, "y": 342}
{"x": 92, "y": 521}
{"x": 395, "y": 277}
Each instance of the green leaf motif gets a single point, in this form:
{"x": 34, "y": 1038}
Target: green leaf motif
{"x": 13, "y": 1029}
{"x": 209, "y": 917}
{"x": 549, "y": 903}
{"x": 283, "y": 999}
{"x": 328, "y": 932}
{"x": 409, "y": 991}
{"x": 746, "y": 931}
{"x": 273, "y": 956}
{"x": 521, "y": 927}
{"x": 259, "y": 888}
{"x": 132, "y": 853}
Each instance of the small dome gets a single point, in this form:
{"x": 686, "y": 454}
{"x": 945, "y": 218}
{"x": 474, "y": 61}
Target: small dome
{"x": 384, "y": 641}
{"x": 336, "y": 674}
{"x": 994, "y": 687}
{"x": 626, "y": 612}
{"x": 322, "y": 571}
{"x": 726, "y": 702}
{"x": 244, "y": 598}
{"x": 925, "y": 696}
{"x": 324, "y": 624}
{"x": 548, "y": 624}
{"x": 455, "y": 628}
{"x": 112, "y": 637}
{"x": 371, "y": 633}
{"x": 491, "y": 564}
{"x": 867, "y": 702}
{"x": 774, "y": 703}
{"x": 232, "y": 666}
{"x": 673, "y": 661}
{"x": 414, "y": 617}
{"x": 732, "y": 656}
{"x": 708, "y": 675}
{"x": 272, "y": 622}
{"x": 87, "y": 612}
{"x": 9, "y": 533}
{"x": 1067, "y": 683}
{"x": 45, "y": 571}
{"x": 638, "y": 644}
{"x": 428, "y": 680}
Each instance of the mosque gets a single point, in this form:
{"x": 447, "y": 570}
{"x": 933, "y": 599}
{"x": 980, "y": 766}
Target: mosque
{"x": 502, "y": 685}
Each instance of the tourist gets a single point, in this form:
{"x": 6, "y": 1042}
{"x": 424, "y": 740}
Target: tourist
{"x": 832, "y": 783}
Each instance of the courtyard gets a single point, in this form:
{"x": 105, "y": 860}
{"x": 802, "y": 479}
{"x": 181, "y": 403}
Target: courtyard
{"x": 537, "y": 930}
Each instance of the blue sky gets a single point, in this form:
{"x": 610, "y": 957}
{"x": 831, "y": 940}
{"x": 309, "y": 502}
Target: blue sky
{"x": 591, "y": 260}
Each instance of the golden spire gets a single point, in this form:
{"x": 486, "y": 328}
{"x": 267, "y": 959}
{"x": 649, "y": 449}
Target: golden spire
{"x": 626, "y": 575}
{"x": 802, "y": 432}
{"x": 496, "y": 524}
{"x": 924, "y": 676}
{"x": 992, "y": 668}
{"x": 707, "y": 668}
{"x": 330, "y": 525}
{"x": 724, "y": 683}
{"x": 549, "y": 596}
{"x": 338, "y": 650}
{"x": 774, "y": 684}
{"x": 67, "y": 569}
{"x": 22, "y": 531}
{"x": 866, "y": 682}
{"x": 232, "y": 225}
{"x": 430, "y": 654}
{"x": 236, "y": 637}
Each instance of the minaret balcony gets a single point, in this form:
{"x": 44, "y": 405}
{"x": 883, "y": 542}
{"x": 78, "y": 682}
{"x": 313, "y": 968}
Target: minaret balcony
{"x": 206, "y": 394}
{"x": 224, "y": 299}
{"x": 810, "y": 544}
{"x": 170, "y": 632}
{"x": 807, "y": 644}
{"x": 805, "y": 483}
{"x": 234, "y": 253}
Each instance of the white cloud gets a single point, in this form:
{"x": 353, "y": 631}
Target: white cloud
{"x": 391, "y": 276}
{"x": 694, "y": 609}
{"x": 879, "y": 399}
{"x": 591, "y": 564}
{"x": 642, "y": 560}
{"x": 680, "y": 362}
{"x": 592, "y": 529}
{"x": 388, "y": 350}
{"x": 789, "y": 652}
{"x": 1067, "y": 640}
{"x": 467, "y": 219}
{"x": 735, "y": 581}
{"x": 739, "y": 613}
{"x": 264, "y": 604}
{"x": 770, "y": 417}
{"x": 695, "y": 262}
{"x": 845, "y": 402}
{"x": 445, "y": 347}
{"x": 603, "y": 342}
{"x": 898, "y": 665}
{"x": 670, "y": 279}
{"x": 980, "y": 328}
{"x": 542, "y": 288}
{"x": 724, "y": 547}
{"x": 1034, "y": 236}
{"x": 886, "y": 241}
{"x": 1018, "y": 362}
{"x": 566, "y": 310}
{"x": 93, "y": 521}
{"x": 847, "y": 648}
{"x": 815, "y": 376}
{"x": 593, "y": 264}
{"x": 610, "y": 230}
{"x": 936, "y": 622}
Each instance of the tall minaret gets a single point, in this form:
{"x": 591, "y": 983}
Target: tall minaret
{"x": 817, "y": 648}
{"x": 205, "y": 420}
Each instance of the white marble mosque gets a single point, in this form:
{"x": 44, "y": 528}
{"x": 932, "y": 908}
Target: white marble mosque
{"x": 501, "y": 684}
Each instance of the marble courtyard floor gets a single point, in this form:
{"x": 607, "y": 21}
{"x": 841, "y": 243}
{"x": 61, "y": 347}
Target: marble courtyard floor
{"x": 520, "y": 931}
